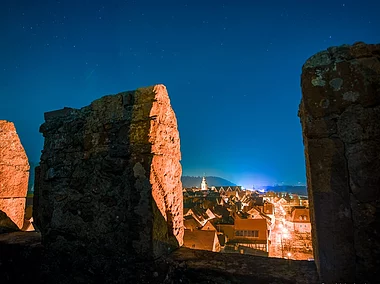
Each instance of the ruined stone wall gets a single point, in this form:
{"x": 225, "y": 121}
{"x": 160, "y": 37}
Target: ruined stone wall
{"x": 24, "y": 249}
{"x": 14, "y": 174}
{"x": 340, "y": 115}
{"x": 108, "y": 192}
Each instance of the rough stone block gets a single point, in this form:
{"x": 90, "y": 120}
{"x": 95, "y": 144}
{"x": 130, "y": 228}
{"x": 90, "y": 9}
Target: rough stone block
{"x": 108, "y": 192}
{"x": 14, "y": 173}
{"x": 15, "y": 209}
{"x": 340, "y": 116}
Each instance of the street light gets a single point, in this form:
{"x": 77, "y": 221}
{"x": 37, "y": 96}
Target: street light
{"x": 284, "y": 235}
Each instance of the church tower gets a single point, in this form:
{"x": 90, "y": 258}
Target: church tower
{"x": 204, "y": 184}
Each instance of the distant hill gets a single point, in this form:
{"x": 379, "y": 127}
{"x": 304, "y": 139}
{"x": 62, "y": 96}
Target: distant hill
{"x": 189, "y": 181}
{"x": 297, "y": 189}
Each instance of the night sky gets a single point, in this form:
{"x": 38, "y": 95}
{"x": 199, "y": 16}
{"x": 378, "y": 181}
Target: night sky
{"x": 232, "y": 70}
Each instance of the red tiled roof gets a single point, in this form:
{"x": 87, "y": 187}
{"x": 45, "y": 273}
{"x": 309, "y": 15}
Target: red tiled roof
{"x": 250, "y": 224}
{"x": 300, "y": 215}
{"x": 199, "y": 239}
{"x": 190, "y": 223}
{"x": 208, "y": 226}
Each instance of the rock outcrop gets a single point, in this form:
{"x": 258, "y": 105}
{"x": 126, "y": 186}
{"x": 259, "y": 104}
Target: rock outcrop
{"x": 108, "y": 192}
{"x": 14, "y": 174}
{"x": 340, "y": 115}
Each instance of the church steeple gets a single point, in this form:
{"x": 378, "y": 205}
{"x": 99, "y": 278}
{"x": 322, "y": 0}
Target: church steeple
{"x": 204, "y": 184}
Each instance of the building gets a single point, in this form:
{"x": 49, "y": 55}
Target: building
{"x": 209, "y": 227}
{"x": 191, "y": 223}
{"x": 199, "y": 214}
{"x": 299, "y": 220}
{"x": 204, "y": 184}
{"x": 201, "y": 239}
{"x": 252, "y": 233}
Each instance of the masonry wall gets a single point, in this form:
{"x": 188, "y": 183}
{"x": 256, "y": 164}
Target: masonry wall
{"x": 108, "y": 192}
{"x": 340, "y": 116}
{"x": 14, "y": 174}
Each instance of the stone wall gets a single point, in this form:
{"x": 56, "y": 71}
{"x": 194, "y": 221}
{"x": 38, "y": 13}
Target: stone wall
{"x": 108, "y": 192}
{"x": 24, "y": 250}
{"x": 340, "y": 115}
{"x": 14, "y": 174}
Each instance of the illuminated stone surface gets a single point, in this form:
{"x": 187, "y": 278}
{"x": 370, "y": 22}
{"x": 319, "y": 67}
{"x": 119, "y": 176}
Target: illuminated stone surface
{"x": 340, "y": 116}
{"x": 14, "y": 174}
{"x": 108, "y": 191}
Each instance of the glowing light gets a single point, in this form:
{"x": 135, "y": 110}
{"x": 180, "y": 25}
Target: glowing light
{"x": 289, "y": 254}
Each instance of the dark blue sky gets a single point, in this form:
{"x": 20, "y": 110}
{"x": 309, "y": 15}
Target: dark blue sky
{"x": 232, "y": 69}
